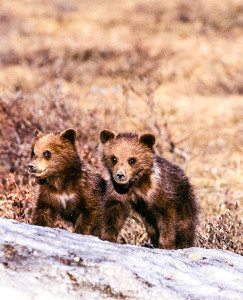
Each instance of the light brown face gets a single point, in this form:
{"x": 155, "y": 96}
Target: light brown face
{"x": 52, "y": 153}
{"x": 126, "y": 156}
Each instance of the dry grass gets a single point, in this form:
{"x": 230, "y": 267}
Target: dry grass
{"x": 172, "y": 67}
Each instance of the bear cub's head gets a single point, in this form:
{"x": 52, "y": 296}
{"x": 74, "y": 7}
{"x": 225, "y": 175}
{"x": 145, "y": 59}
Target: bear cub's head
{"x": 53, "y": 154}
{"x": 127, "y": 156}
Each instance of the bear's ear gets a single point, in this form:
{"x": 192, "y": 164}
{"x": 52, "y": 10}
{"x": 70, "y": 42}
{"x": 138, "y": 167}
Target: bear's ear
{"x": 37, "y": 133}
{"x": 147, "y": 139}
{"x": 69, "y": 135}
{"x": 106, "y": 135}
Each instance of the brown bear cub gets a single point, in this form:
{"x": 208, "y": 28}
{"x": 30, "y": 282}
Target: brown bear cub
{"x": 68, "y": 189}
{"x": 154, "y": 187}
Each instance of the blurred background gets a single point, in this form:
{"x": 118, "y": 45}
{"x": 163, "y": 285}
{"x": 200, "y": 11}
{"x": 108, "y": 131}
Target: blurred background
{"x": 173, "y": 68}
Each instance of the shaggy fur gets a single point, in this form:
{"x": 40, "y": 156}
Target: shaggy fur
{"x": 68, "y": 189}
{"x": 154, "y": 187}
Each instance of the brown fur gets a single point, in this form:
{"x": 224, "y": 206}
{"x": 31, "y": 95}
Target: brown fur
{"x": 154, "y": 187}
{"x": 68, "y": 189}
{"x": 114, "y": 211}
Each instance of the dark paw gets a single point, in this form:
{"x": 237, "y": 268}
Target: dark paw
{"x": 147, "y": 245}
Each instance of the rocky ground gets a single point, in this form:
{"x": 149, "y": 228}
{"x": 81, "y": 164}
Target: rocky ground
{"x": 38, "y": 263}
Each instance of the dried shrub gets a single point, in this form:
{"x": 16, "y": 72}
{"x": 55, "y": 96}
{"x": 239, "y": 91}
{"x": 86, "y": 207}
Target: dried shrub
{"x": 54, "y": 113}
{"x": 223, "y": 229}
{"x": 16, "y": 198}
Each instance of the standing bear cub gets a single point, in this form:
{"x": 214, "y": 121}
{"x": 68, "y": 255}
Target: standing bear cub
{"x": 154, "y": 187}
{"x": 68, "y": 189}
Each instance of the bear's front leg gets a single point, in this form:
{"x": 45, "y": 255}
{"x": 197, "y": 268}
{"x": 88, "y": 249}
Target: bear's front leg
{"x": 44, "y": 216}
{"x": 78, "y": 227}
{"x": 113, "y": 217}
{"x": 166, "y": 224}
{"x": 85, "y": 223}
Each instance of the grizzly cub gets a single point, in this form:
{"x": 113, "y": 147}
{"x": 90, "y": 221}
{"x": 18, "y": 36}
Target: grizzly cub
{"x": 68, "y": 189}
{"x": 154, "y": 187}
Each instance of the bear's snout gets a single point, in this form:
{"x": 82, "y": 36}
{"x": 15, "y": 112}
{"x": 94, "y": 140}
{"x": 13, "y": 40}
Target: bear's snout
{"x": 31, "y": 168}
{"x": 120, "y": 177}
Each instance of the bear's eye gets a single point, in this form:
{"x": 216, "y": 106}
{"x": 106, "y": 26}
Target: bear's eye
{"x": 132, "y": 161}
{"x": 114, "y": 159}
{"x": 47, "y": 154}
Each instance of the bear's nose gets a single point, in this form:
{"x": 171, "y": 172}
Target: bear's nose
{"x": 120, "y": 175}
{"x": 31, "y": 168}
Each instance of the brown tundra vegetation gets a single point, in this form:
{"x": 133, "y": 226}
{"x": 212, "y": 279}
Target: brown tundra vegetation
{"x": 172, "y": 68}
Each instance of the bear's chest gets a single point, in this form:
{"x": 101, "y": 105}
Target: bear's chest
{"x": 65, "y": 199}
